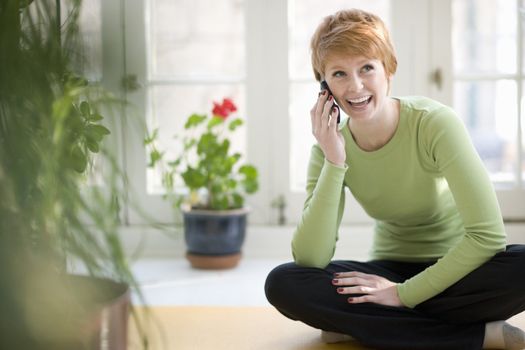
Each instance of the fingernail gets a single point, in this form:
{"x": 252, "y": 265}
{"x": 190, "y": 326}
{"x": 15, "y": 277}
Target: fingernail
{"x": 335, "y": 281}
{"x": 323, "y": 93}
{"x": 350, "y": 300}
{"x": 337, "y": 274}
{"x": 330, "y": 98}
{"x": 340, "y": 290}
{"x": 334, "y": 109}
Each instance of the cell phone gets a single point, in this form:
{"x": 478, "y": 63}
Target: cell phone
{"x": 324, "y": 86}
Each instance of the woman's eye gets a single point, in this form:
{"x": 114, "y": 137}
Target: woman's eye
{"x": 338, "y": 73}
{"x": 367, "y": 68}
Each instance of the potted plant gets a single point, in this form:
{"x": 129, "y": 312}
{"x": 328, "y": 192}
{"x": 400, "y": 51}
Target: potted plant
{"x": 213, "y": 207}
{"x": 50, "y": 219}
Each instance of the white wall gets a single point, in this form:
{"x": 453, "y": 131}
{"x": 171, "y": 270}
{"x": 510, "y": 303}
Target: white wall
{"x": 266, "y": 242}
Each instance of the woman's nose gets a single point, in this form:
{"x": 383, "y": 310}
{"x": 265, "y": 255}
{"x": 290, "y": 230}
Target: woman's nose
{"x": 355, "y": 83}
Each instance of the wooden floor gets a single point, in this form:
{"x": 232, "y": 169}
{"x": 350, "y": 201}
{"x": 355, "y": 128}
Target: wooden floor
{"x": 231, "y": 328}
{"x": 236, "y": 328}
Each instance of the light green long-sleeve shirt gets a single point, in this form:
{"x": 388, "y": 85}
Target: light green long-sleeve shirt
{"x": 427, "y": 190}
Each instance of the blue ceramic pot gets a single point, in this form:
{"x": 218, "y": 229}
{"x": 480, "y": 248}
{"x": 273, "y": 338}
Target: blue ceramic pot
{"x": 214, "y": 233}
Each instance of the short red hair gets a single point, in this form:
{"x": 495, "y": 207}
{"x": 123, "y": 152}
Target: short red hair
{"x": 353, "y": 32}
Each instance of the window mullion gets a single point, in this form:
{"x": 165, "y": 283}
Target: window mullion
{"x": 520, "y": 81}
{"x": 484, "y": 77}
{"x": 195, "y": 80}
{"x": 266, "y": 100}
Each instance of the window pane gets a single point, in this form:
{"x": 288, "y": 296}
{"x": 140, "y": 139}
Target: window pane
{"x": 192, "y": 38}
{"x": 523, "y": 131}
{"x": 522, "y": 18}
{"x": 301, "y": 132}
{"x": 170, "y": 106}
{"x": 489, "y": 110}
{"x": 90, "y": 65}
{"x": 305, "y": 15}
{"x": 484, "y": 35}
{"x": 91, "y": 29}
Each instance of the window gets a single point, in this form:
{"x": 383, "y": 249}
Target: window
{"x": 187, "y": 53}
{"x": 91, "y": 31}
{"x": 196, "y": 56}
{"x": 488, "y": 84}
{"x": 487, "y": 76}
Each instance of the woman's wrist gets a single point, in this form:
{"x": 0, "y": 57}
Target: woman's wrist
{"x": 339, "y": 163}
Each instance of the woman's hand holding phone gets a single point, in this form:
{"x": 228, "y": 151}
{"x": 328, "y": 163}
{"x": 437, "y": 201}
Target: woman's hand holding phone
{"x": 324, "y": 86}
{"x": 324, "y": 128}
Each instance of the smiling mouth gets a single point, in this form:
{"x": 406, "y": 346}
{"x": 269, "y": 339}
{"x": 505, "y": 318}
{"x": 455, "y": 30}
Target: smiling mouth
{"x": 359, "y": 102}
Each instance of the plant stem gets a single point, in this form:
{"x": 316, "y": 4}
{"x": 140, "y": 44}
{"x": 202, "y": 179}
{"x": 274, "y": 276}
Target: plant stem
{"x": 59, "y": 33}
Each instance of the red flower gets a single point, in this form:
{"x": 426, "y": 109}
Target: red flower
{"x": 219, "y": 111}
{"x": 225, "y": 109}
{"x": 228, "y": 104}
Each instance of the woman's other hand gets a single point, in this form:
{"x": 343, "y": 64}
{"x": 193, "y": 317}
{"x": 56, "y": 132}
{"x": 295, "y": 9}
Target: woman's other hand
{"x": 369, "y": 288}
{"x": 324, "y": 128}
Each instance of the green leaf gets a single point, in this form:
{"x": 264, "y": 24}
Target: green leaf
{"x": 95, "y": 117}
{"x": 207, "y": 144}
{"x": 249, "y": 171}
{"x": 233, "y": 159}
{"x": 250, "y": 186}
{"x": 154, "y": 157}
{"x": 92, "y": 146}
{"x": 167, "y": 180}
{"x": 75, "y": 125}
{"x": 84, "y": 109}
{"x": 215, "y": 190}
{"x": 220, "y": 202}
{"x": 250, "y": 182}
{"x": 222, "y": 150}
{"x": 234, "y": 124}
{"x": 96, "y": 132}
{"x": 152, "y": 137}
{"x": 175, "y": 163}
{"x": 101, "y": 129}
{"x": 74, "y": 82}
{"x": 238, "y": 200}
{"x": 77, "y": 160}
{"x": 214, "y": 121}
{"x": 193, "y": 178}
{"x": 194, "y": 120}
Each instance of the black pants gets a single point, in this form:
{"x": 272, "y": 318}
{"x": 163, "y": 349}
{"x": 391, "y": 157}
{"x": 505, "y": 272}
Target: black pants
{"x": 454, "y": 319}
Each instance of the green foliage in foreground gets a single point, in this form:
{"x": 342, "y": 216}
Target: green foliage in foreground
{"x": 51, "y": 127}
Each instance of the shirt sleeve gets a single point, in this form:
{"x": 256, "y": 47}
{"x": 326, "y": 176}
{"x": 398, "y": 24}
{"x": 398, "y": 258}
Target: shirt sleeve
{"x": 447, "y": 144}
{"x": 314, "y": 239}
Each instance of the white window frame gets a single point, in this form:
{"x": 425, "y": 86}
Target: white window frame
{"x": 511, "y": 200}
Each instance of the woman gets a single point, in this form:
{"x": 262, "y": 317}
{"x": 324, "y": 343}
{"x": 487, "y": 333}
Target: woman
{"x": 440, "y": 276}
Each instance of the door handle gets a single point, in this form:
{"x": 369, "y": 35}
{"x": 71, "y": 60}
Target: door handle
{"x": 130, "y": 83}
{"x": 437, "y": 78}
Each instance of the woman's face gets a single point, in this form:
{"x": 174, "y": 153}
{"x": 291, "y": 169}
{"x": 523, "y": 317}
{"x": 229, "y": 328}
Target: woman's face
{"x": 359, "y": 84}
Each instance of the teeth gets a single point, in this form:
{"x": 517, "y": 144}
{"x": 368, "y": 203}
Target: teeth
{"x": 361, "y": 99}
